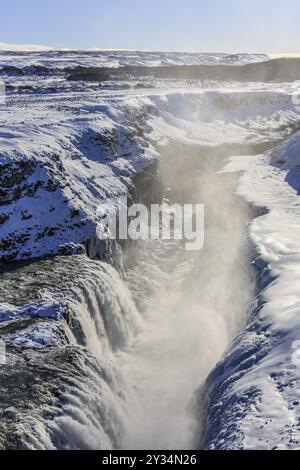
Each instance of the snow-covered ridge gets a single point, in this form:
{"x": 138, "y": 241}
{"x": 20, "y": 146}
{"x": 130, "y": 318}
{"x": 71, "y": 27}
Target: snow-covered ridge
{"x": 93, "y": 58}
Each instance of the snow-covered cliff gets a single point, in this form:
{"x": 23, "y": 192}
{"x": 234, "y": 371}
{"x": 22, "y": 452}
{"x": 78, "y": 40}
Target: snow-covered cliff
{"x": 253, "y": 394}
{"x": 57, "y": 167}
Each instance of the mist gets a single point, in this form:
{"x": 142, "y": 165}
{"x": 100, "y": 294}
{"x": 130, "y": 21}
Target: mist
{"x": 194, "y": 302}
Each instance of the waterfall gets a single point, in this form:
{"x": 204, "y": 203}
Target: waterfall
{"x": 200, "y": 304}
{"x": 142, "y": 340}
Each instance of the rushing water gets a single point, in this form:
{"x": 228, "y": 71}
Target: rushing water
{"x": 134, "y": 348}
{"x": 199, "y": 304}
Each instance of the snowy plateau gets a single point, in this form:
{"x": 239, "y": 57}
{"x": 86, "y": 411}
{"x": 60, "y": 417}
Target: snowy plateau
{"x": 116, "y": 346}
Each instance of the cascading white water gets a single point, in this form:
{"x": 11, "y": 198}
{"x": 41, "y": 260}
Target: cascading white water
{"x": 91, "y": 411}
{"x": 151, "y": 339}
{"x": 201, "y": 303}
{"x": 104, "y": 308}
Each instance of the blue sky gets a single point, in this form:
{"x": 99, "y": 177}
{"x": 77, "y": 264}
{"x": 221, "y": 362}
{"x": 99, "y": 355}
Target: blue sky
{"x": 183, "y": 25}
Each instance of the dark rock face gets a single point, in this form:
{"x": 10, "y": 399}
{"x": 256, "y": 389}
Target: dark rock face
{"x": 12, "y": 70}
{"x": 14, "y": 180}
{"x": 273, "y": 70}
{"x": 89, "y": 74}
{"x": 24, "y": 183}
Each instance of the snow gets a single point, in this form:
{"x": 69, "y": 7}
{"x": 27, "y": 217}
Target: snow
{"x": 35, "y": 55}
{"x": 40, "y": 336}
{"x": 284, "y": 54}
{"x": 76, "y": 162}
{"x": 89, "y": 153}
{"x": 42, "y": 310}
{"x": 61, "y": 155}
{"x": 239, "y": 117}
{"x": 263, "y": 390}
